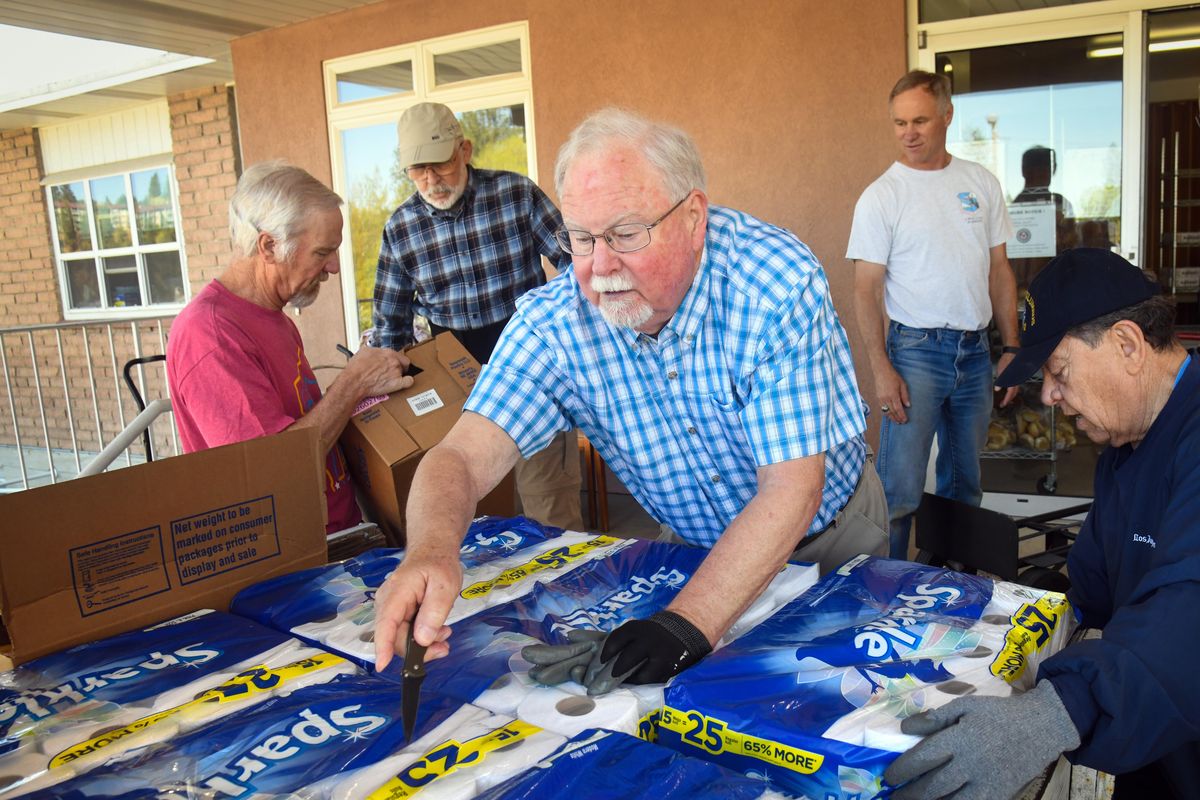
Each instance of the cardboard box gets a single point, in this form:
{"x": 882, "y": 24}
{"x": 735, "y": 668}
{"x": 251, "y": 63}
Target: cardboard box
{"x": 101, "y": 555}
{"x": 384, "y": 443}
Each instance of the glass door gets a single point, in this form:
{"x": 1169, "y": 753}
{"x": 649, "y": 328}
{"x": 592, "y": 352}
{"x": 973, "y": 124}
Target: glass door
{"x": 1047, "y": 108}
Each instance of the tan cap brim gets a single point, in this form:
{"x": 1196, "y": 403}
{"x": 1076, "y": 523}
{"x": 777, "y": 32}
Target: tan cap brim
{"x": 433, "y": 153}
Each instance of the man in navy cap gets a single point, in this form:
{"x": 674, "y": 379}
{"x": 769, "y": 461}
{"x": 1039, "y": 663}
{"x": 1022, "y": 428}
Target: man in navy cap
{"x": 1126, "y": 703}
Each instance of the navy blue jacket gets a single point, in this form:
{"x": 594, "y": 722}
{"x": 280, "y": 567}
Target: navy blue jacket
{"x": 1134, "y": 694}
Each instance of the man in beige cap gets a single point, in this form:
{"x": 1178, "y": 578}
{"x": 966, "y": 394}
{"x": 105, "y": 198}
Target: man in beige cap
{"x": 459, "y": 252}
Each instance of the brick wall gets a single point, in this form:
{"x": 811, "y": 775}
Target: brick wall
{"x": 57, "y": 383}
{"x": 207, "y": 166}
{"x": 28, "y": 286}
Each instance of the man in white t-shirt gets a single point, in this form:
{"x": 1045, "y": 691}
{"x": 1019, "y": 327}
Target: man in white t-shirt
{"x": 930, "y": 274}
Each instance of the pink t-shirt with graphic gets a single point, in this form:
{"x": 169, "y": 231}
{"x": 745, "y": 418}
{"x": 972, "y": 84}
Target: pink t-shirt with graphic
{"x": 237, "y": 371}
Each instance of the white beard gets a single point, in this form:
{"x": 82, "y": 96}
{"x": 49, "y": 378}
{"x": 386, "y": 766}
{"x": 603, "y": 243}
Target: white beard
{"x": 631, "y": 312}
{"x": 305, "y": 297}
{"x": 456, "y": 192}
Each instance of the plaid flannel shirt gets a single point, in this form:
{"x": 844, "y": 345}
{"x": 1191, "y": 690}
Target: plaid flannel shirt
{"x": 464, "y": 268}
{"x": 753, "y": 369}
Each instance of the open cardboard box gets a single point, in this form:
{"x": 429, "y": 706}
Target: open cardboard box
{"x": 101, "y": 555}
{"x": 384, "y": 443}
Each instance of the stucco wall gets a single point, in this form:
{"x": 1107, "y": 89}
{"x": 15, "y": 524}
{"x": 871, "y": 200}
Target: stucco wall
{"x": 786, "y": 98}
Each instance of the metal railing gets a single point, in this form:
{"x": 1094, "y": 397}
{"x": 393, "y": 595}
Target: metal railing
{"x": 60, "y": 407}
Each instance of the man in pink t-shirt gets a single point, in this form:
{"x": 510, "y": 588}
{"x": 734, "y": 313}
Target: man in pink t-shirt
{"x": 235, "y": 361}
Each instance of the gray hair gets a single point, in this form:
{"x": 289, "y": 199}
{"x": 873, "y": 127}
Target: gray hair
{"x": 937, "y": 85}
{"x": 1154, "y": 315}
{"x": 670, "y": 151}
{"x": 275, "y": 198}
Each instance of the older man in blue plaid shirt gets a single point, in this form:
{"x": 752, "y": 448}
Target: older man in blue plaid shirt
{"x": 460, "y": 252}
{"x": 699, "y": 350}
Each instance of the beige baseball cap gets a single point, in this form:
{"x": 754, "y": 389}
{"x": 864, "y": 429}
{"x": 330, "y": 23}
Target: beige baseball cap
{"x": 428, "y": 133}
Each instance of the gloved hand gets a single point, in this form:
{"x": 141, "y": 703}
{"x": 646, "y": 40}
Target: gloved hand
{"x": 982, "y": 747}
{"x": 557, "y": 663}
{"x": 650, "y": 650}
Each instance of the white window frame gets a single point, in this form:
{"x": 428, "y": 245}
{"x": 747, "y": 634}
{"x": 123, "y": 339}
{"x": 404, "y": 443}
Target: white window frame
{"x": 501, "y": 90}
{"x": 97, "y": 254}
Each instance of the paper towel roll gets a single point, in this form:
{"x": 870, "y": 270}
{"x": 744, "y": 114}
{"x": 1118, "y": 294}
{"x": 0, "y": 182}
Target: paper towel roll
{"x": 506, "y": 693}
{"x": 517, "y": 758}
{"x": 283, "y": 653}
{"x": 25, "y": 770}
{"x": 568, "y": 714}
{"x": 355, "y": 641}
{"x": 59, "y": 737}
{"x": 465, "y": 723}
{"x": 882, "y": 732}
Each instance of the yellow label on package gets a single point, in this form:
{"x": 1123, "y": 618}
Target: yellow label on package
{"x": 715, "y": 737}
{"x": 242, "y": 686}
{"x": 448, "y": 757}
{"x": 1033, "y": 626}
{"x": 550, "y": 559}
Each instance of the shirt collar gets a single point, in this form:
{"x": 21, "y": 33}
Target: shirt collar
{"x": 686, "y": 321}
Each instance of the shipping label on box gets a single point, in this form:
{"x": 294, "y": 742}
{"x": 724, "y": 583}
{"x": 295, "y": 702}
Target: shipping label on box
{"x": 101, "y": 555}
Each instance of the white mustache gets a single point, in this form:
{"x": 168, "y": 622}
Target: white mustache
{"x": 611, "y": 283}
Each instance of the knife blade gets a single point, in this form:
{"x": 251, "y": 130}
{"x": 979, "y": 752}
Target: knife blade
{"x": 413, "y": 675}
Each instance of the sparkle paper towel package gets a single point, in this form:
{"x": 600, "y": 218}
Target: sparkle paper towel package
{"x": 485, "y": 666}
{"x": 334, "y": 607}
{"x": 813, "y": 697}
{"x": 93, "y": 703}
{"x": 632, "y": 582}
{"x": 472, "y": 750}
{"x": 321, "y": 592}
{"x": 127, "y": 669}
{"x": 612, "y": 766}
{"x": 276, "y": 748}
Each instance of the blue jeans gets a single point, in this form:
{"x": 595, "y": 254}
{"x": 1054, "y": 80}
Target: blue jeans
{"x": 949, "y": 377}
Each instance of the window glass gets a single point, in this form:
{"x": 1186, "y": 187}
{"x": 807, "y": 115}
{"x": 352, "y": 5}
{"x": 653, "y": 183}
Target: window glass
{"x": 70, "y": 216}
{"x": 1172, "y": 189}
{"x": 121, "y": 281}
{"x": 82, "y": 284}
{"x": 164, "y": 277}
{"x": 503, "y": 58}
{"x": 152, "y": 204}
{"x": 1045, "y": 118}
{"x": 111, "y": 208}
{"x": 118, "y": 242}
{"x": 363, "y": 84}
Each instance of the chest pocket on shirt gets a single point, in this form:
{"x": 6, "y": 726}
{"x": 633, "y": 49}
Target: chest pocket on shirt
{"x": 713, "y": 423}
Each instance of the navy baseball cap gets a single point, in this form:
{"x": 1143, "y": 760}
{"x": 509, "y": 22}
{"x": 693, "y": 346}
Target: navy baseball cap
{"x": 1075, "y": 287}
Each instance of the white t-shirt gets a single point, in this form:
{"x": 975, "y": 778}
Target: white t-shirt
{"x": 933, "y": 229}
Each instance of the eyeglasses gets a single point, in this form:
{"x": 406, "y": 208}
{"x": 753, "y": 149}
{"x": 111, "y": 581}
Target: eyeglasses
{"x": 443, "y": 170}
{"x": 624, "y": 238}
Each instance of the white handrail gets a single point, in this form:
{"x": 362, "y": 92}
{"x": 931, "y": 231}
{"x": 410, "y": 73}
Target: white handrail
{"x": 126, "y": 437}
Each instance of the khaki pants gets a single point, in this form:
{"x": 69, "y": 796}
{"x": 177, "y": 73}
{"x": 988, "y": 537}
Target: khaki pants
{"x": 860, "y": 527}
{"x": 548, "y": 483}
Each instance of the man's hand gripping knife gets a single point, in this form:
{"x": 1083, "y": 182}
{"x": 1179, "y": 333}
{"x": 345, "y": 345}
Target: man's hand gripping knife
{"x": 648, "y": 650}
{"x": 982, "y": 747}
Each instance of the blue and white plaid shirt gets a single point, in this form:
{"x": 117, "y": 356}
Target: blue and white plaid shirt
{"x": 753, "y": 369}
{"x": 464, "y": 268}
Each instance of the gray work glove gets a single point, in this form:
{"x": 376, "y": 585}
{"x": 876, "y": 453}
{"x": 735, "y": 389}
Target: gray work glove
{"x": 558, "y": 663}
{"x": 982, "y": 747}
